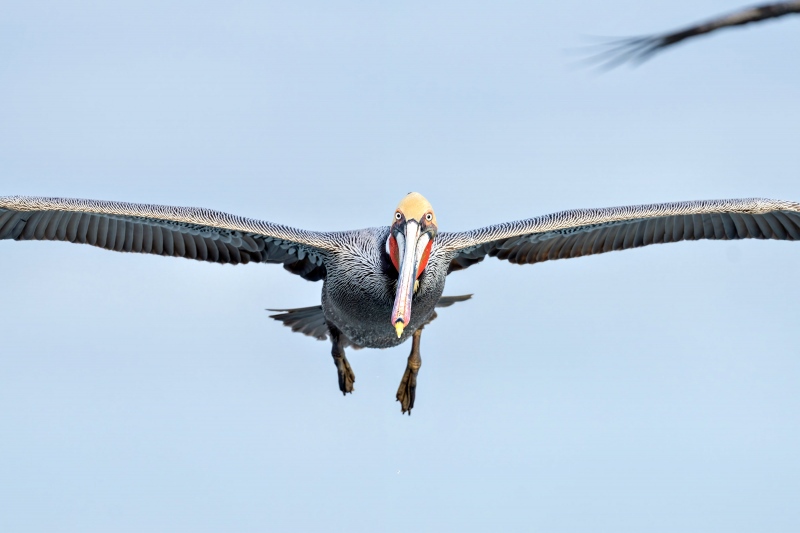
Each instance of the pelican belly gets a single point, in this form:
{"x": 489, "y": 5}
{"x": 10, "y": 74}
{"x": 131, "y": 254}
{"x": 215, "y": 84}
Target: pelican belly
{"x": 366, "y": 320}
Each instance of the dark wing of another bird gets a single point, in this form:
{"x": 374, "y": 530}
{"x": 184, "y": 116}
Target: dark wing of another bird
{"x": 189, "y": 232}
{"x": 639, "y": 49}
{"x": 582, "y": 232}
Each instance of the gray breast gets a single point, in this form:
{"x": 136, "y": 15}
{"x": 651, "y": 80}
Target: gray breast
{"x": 359, "y": 290}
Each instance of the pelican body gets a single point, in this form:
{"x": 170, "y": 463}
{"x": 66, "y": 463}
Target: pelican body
{"x": 382, "y": 285}
{"x": 374, "y": 281}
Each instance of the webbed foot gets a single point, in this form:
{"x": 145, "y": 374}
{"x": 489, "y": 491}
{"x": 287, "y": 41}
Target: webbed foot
{"x": 406, "y": 392}
{"x": 346, "y": 375}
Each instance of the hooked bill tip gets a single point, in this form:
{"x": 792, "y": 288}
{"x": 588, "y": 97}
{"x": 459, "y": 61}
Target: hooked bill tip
{"x": 398, "y": 327}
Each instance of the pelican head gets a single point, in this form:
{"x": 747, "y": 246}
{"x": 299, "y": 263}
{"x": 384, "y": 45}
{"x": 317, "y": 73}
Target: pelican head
{"x": 409, "y": 246}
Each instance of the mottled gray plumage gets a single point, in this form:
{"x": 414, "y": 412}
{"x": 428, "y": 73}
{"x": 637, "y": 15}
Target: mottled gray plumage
{"x": 360, "y": 289}
{"x": 360, "y": 275}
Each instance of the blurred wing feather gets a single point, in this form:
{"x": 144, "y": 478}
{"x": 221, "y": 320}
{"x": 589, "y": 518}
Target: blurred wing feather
{"x": 640, "y": 49}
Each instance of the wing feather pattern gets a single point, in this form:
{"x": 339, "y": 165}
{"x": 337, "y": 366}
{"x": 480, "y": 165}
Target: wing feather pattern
{"x": 193, "y": 233}
{"x": 582, "y": 232}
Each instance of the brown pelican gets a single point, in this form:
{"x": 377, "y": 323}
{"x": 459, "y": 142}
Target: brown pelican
{"x": 640, "y": 49}
{"x": 382, "y": 285}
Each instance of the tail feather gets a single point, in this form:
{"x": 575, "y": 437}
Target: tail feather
{"x": 306, "y": 320}
{"x": 447, "y": 301}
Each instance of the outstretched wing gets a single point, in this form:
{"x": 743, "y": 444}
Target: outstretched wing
{"x": 189, "y": 232}
{"x": 582, "y": 232}
{"x": 639, "y": 49}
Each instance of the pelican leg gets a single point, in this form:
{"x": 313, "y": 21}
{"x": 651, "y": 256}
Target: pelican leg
{"x": 346, "y": 375}
{"x": 408, "y": 385}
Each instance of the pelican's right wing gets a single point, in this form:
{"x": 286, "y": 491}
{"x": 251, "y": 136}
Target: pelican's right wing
{"x": 582, "y": 232}
{"x": 189, "y": 232}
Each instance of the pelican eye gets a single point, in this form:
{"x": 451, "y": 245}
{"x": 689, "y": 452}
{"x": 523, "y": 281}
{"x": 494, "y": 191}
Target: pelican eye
{"x": 398, "y": 216}
{"x": 428, "y": 217}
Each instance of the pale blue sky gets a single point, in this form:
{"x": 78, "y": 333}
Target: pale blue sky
{"x": 650, "y": 390}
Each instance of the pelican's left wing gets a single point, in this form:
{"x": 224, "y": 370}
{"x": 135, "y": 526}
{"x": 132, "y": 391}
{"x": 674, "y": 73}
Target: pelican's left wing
{"x": 582, "y": 232}
{"x": 190, "y": 232}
